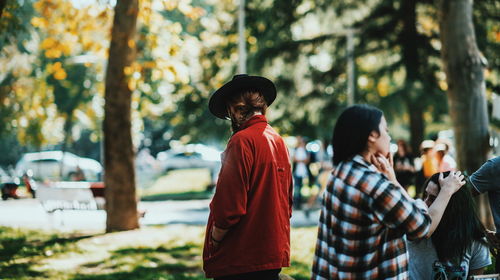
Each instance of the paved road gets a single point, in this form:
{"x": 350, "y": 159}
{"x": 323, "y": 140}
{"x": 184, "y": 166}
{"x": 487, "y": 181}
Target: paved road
{"x": 30, "y": 214}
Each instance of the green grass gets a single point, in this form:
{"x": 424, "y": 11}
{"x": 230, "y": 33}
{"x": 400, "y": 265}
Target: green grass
{"x": 189, "y": 195}
{"x": 183, "y": 184}
{"x": 166, "y": 252}
{"x": 163, "y": 252}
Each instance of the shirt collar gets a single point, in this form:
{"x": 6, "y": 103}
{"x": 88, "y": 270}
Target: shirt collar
{"x": 253, "y": 120}
{"x": 361, "y": 160}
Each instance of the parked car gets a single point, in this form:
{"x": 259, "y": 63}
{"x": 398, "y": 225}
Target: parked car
{"x": 192, "y": 156}
{"x": 47, "y": 165}
{"x": 8, "y": 185}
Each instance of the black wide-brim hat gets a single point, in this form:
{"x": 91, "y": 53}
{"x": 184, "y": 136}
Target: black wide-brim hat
{"x": 217, "y": 103}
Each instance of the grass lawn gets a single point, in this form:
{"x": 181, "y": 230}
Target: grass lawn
{"x": 167, "y": 252}
{"x": 182, "y": 184}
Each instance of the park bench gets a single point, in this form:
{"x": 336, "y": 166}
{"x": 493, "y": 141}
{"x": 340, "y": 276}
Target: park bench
{"x": 71, "y": 196}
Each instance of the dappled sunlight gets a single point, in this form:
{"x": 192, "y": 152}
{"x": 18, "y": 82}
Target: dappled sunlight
{"x": 163, "y": 252}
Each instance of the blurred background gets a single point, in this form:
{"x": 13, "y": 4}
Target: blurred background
{"x": 57, "y": 75}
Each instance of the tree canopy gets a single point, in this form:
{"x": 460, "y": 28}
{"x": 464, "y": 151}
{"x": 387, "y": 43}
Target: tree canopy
{"x": 53, "y": 55}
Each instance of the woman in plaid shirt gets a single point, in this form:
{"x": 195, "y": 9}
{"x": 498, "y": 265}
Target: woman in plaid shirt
{"x": 365, "y": 211}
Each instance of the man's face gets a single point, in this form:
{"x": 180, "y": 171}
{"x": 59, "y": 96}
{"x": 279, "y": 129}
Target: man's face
{"x": 238, "y": 113}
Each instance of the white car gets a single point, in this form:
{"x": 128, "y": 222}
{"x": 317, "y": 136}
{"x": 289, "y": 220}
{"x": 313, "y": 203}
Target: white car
{"x": 48, "y": 164}
{"x": 192, "y": 156}
{"x": 189, "y": 156}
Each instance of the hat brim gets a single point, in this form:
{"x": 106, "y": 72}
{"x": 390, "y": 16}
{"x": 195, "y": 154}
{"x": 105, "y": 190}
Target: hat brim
{"x": 217, "y": 103}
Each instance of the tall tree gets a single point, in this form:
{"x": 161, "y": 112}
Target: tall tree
{"x": 3, "y": 3}
{"x": 464, "y": 67}
{"x": 121, "y": 201}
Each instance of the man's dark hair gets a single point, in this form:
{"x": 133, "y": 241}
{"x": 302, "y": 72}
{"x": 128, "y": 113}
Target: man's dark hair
{"x": 459, "y": 225}
{"x": 254, "y": 101}
{"x": 352, "y": 129}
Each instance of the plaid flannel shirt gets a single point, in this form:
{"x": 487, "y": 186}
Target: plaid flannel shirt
{"x": 363, "y": 220}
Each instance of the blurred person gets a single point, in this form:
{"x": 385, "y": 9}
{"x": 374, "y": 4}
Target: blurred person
{"x": 324, "y": 175}
{"x": 404, "y": 165}
{"x": 487, "y": 180}
{"x": 445, "y": 161}
{"x": 366, "y": 212}
{"x": 457, "y": 247}
{"x": 429, "y": 165}
{"x": 300, "y": 170}
{"x": 248, "y": 229}
{"x": 29, "y": 183}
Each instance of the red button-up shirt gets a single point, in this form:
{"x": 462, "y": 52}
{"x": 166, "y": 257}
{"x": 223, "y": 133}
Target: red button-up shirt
{"x": 253, "y": 199}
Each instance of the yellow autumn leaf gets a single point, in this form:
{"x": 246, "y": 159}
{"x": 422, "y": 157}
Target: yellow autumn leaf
{"x": 56, "y": 66}
{"x": 60, "y": 74}
{"x": 170, "y": 5}
{"x": 53, "y": 53}
{"x": 195, "y": 13}
{"x": 174, "y": 49}
{"x": 176, "y": 120}
{"x": 383, "y": 88}
{"x": 131, "y": 43}
{"x": 132, "y": 84}
{"x": 443, "y": 85}
{"x": 128, "y": 70}
{"x": 39, "y": 22}
{"x": 149, "y": 64}
{"x": 48, "y": 43}
{"x": 66, "y": 49}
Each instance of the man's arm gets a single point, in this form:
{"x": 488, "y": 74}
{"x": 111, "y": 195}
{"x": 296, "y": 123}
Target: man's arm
{"x": 486, "y": 177}
{"x": 230, "y": 200}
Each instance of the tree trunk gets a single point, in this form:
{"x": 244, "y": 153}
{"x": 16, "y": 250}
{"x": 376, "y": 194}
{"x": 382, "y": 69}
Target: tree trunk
{"x": 463, "y": 66}
{"x": 412, "y": 63}
{"x": 68, "y": 125}
{"x": 416, "y": 127}
{"x": 3, "y": 3}
{"x": 121, "y": 203}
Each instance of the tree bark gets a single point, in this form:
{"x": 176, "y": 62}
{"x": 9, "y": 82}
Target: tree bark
{"x": 412, "y": 64}
{"x": 3, "y": 3}
{"x": 464, "y": 68}
{"x": 121, "y": 202}
{"x": 416, "y": 127}
{"x": 68, "y": 125}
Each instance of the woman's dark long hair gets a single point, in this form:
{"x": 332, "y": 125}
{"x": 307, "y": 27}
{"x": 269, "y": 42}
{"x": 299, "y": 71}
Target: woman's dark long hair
{"x": 459, "y": 225}
{"x": 352, "y": 129}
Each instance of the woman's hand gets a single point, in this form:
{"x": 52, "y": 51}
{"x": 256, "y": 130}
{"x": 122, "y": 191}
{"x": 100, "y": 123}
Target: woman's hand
{"x": 452, "y": 183}
{"x": 385, "y": 165}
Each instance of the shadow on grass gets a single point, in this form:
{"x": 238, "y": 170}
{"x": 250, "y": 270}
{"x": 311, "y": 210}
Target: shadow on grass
{"x": 181, "y": 262}
{"x": 191, "y": 195}
{"x": 16, "y": 247}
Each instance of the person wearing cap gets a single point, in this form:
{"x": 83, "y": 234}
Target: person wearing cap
{"x": 248, "y": 229}
{"x": 445, "y": 161}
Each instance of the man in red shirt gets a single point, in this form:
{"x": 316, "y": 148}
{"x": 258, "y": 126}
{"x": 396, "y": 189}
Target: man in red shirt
{"x": 248, "y": 230}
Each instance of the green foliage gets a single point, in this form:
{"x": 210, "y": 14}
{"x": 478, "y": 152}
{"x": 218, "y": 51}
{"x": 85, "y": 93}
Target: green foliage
{"x": 486, "y": 23}
{"x": 15, "y": 23}
{"x": 10, "y": 149}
